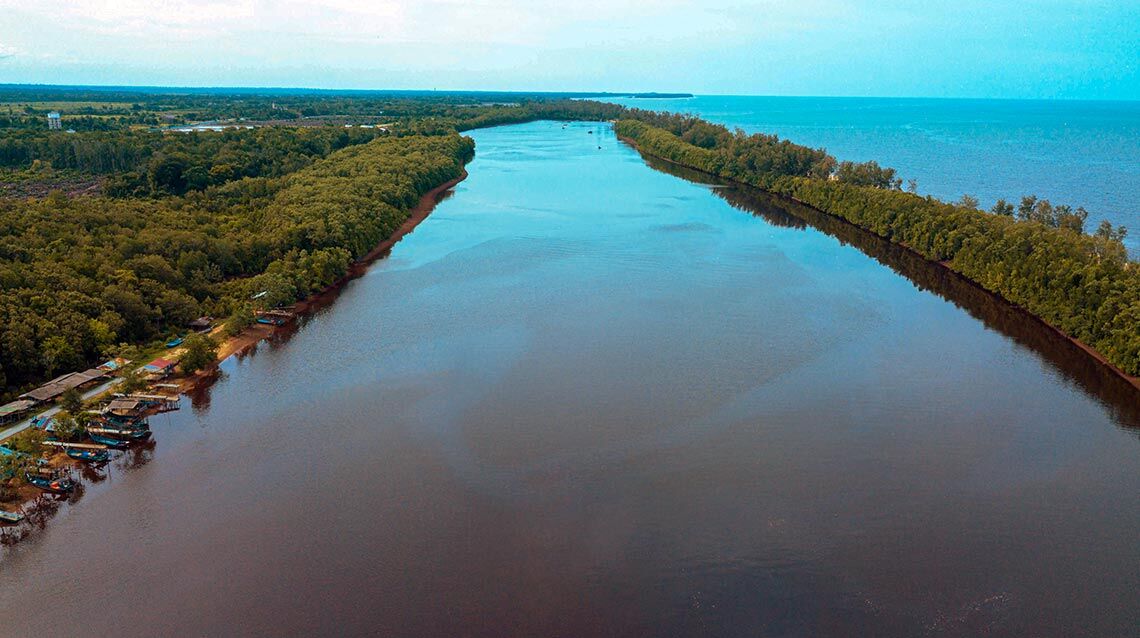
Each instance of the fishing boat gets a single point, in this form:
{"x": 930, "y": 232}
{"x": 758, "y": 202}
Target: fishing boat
{"x": 51, "y": 483}
{"x": 122, "y": 434}
{"x": 90, "y": 456}
{"x": 118, "y": 444}
{"x": 273, "y": 317}
{"x": 175, "y": 342}
{"x": 10, "y": 518}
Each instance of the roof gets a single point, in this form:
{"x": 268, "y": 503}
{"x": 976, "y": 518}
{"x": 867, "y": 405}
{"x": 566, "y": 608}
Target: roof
{"x": 59, "y": 385}
{"x": 15, "y": 407}
{"x": 123, "y": 405}
{"x": 159, "y": 364}
{"x": 114, "y": 364}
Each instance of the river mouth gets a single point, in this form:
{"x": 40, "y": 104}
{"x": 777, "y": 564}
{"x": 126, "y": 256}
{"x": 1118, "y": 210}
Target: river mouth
{"x": 586, "y": 397}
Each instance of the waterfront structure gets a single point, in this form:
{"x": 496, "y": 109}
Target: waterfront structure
{"x": 54, "y": 121}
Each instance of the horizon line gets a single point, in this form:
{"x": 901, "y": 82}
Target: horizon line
{"x": 158, "y": 88}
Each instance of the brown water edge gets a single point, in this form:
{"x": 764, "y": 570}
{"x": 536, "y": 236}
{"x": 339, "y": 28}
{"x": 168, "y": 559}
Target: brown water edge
{"x": 194, "y": 385}
{"x": 39, "y": 507}
{"x": 1079, "y": 364}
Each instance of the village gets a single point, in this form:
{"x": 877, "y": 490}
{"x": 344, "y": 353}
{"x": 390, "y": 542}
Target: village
{"x": 82, "y": 418}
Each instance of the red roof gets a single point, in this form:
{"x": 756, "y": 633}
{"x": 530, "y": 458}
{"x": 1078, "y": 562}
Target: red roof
{"x": 161, "y": 363}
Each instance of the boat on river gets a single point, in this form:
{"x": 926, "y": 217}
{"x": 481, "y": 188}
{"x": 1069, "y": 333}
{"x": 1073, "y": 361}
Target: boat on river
{"x": 274, "y": 317}
{"x": 52, "y": 483}
{"x": 122, "y": 434}
{"x": 118, "y": 444}
{"x": 10, "y": 518}
{"x": 89, "y": 456}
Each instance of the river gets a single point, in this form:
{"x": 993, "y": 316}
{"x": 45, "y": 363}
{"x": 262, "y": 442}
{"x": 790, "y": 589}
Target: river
{"x": 587, "y": 397}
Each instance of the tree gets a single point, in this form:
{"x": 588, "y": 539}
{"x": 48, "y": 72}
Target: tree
{"x": 71, "y": 401}
{"x": 132, "y": 381}
{"x": 201, "y": 352}
{"x": 968, "y": 201}
{"x": 167, "y": 174}
{"x": 1025, "y": 209}
{"x": 1003, "y": 208}
{"x": 868, "y": 174}
{"x": 69, "y": 425}
{"x": 1106, "y": 231}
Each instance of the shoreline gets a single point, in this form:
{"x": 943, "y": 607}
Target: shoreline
{"x": 1087, "y": 349}
{"x": 241, "y": 343}
{"x": 251, "y": 336}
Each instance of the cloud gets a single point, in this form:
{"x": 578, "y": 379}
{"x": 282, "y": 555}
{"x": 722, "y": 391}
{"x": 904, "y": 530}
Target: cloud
{"x": 7, "y": 51}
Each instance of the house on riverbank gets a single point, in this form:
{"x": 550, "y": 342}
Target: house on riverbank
{"x": 158, "y": 369}
{"x": 57, "y": 386}
{"x": 16, "y": 410}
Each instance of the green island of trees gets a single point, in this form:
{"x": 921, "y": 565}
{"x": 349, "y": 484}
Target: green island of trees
{"x": 1037, "y": 256}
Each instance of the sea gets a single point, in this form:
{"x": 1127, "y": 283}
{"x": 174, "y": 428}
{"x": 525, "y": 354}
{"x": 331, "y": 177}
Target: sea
{"x": 1081, "y": 153}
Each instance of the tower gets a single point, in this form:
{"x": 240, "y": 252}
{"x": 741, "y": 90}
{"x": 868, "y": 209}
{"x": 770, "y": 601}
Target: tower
{"x": 54, "y": 123}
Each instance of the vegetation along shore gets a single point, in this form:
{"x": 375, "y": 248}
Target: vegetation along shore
{"x": 121, "y": 237}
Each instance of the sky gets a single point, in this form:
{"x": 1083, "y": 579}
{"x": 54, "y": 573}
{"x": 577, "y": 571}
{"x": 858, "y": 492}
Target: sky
{"x": 1074, "y": 49}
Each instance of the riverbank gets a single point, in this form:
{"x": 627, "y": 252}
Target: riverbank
{"x": 1091, "y": 352}
{"x": 254, "y": 334}
{"x": 238, "y": 344}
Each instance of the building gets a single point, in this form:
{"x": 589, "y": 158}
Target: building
{"x": 14, "y": 411}
{"x": 56, "y": 387}
{"x": 54, "y": 122}
{"x": 158, "y": 369}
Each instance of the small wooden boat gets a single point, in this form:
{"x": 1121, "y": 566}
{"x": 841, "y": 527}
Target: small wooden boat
{"x": 117, "y": 444}
{"x": 129, "y": 434}
{"x": 175, "y": 342}
{"x": 90, "y": 456}
{"x": 52, "y": 484}
{"x": 10, "y": 518}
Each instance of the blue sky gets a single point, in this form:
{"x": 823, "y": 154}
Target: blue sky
{"x": 965, "y": 48}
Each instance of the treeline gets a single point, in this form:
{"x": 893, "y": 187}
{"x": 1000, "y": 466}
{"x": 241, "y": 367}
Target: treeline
{"x": 145, "y": 163}
{"x": 1040, "y": 260}
{"x": 79, "y": 276}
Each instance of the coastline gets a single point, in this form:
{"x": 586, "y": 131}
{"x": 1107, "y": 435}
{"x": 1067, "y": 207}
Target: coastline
{"x": 1088, "y": 350}
{"x": 251, "y": 336}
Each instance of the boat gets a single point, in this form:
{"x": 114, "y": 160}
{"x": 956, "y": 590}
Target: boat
{"x": 90, "y": 456}
{"x": 52, "y": 484}
{"x": 131, "y": 434}
{"x": 175, "y": 342}
{"x": 10, "y": 518}
{"x": 117, "y": 444}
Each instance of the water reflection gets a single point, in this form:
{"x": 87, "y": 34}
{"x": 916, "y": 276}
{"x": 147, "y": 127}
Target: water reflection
{"x": 1075, "y": 365}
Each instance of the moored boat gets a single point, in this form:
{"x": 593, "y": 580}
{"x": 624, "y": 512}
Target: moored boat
{"x": 10, "y": 518}
{"x": 90, "y": 456}
{"x": 118, "y": 444}
{"x": 51, "y": 483}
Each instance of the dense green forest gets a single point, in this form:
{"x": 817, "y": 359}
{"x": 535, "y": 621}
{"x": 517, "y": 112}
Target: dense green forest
{"x": 79, "y": 276}
{"x": 1037, "y": 257}
{"x": 181, "y": 224}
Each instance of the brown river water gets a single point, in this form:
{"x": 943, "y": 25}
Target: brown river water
{"x": 587, "y": 397}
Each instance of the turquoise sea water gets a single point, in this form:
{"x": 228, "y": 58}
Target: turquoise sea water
{"x": 1077, "y": 152}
